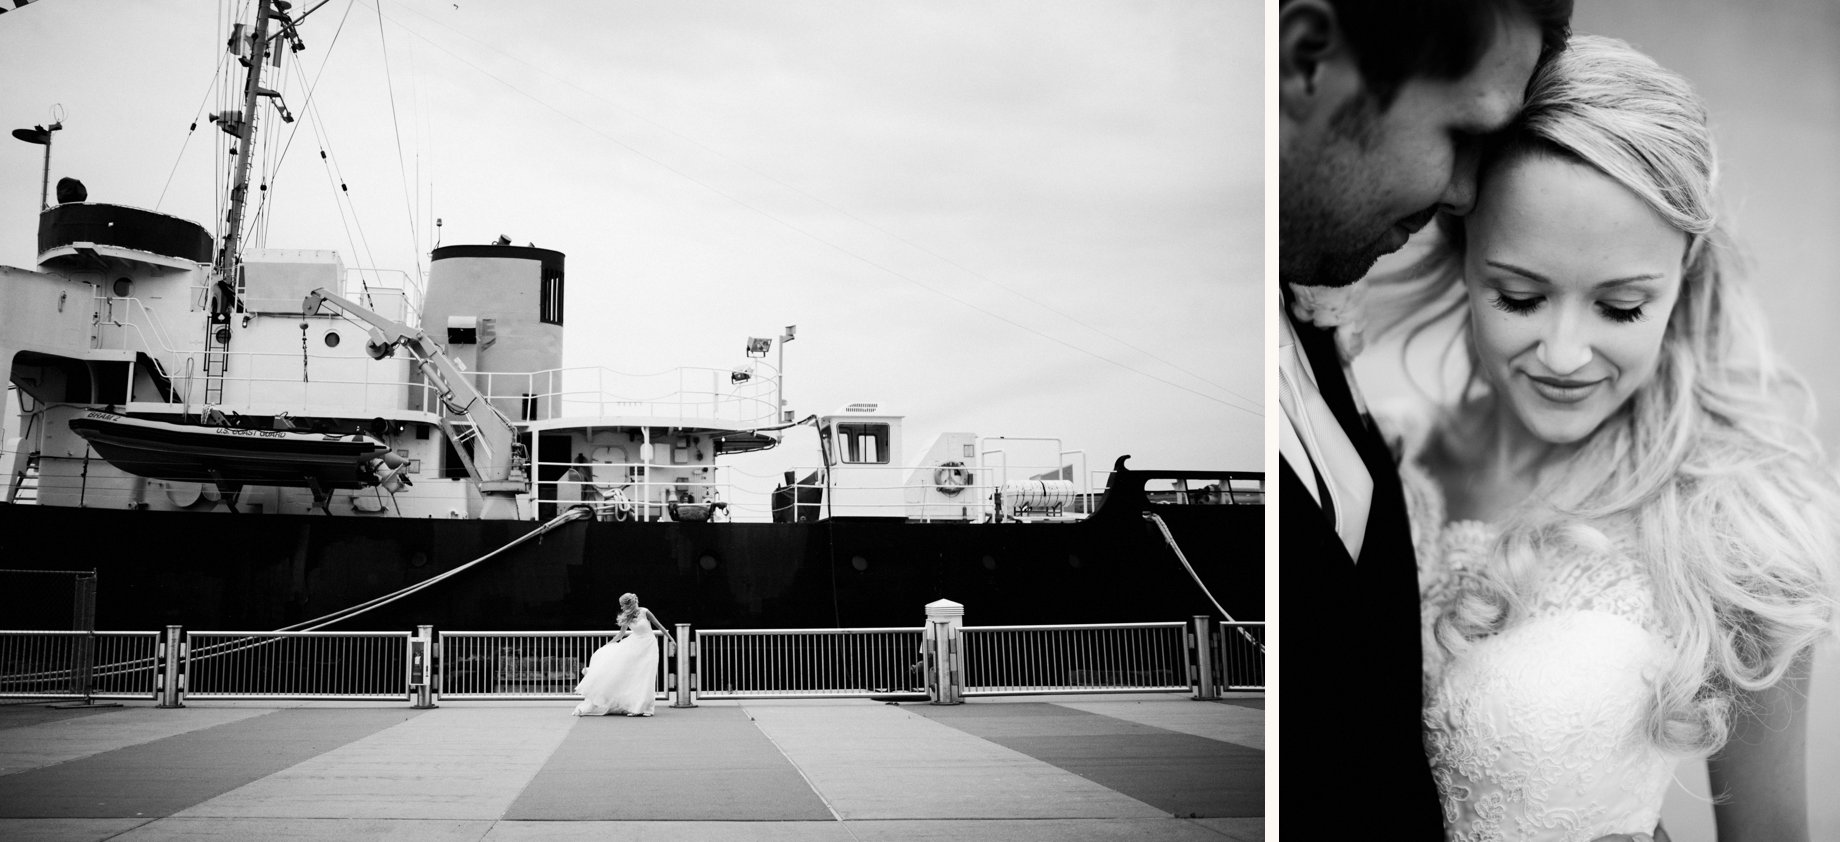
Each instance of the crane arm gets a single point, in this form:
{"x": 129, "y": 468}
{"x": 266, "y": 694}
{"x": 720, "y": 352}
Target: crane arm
{"x": 494, "y": 464}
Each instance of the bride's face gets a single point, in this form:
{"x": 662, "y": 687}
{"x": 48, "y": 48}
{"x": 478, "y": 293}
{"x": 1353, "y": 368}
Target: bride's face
{"x": 1571, "y": 279}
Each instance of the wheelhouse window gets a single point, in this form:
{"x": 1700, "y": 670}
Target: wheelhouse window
{"x": 863, "y": 443}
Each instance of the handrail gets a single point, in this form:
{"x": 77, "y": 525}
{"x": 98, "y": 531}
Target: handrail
{"x": 728, "y": 663}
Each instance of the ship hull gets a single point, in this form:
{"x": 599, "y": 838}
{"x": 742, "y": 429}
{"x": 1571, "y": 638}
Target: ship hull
{"x": 212, "y": 570}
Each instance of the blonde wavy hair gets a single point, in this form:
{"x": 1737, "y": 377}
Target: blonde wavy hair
{"x": 1712, "y": 465}
{"x": 629, "y": 609}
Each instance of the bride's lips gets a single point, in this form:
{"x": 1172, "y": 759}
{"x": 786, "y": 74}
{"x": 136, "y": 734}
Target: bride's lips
{"x": 1563, "y": 390}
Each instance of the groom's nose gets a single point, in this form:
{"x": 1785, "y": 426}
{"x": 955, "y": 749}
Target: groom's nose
{"x": 1460, "y": 194}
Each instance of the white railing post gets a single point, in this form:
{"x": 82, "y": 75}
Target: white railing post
{"x": 945, "y": 680}
{"x": 1204, "y": 659}
{"x": 172, "y": 651}
{"x": 421, "y": 667}
{"x": 684, "y": 694}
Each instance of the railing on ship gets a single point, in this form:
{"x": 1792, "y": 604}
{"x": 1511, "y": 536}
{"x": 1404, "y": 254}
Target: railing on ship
{"x": 944, "y": 662}
{"x": 637, "y": 491}
{"x": 980, "y": 493}
{"x": 125, "y": 323}
{"x": 676, "y": 397}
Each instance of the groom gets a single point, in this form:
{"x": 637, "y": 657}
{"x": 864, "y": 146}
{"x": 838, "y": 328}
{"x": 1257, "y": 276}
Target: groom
{"x": 1382, "y": 104}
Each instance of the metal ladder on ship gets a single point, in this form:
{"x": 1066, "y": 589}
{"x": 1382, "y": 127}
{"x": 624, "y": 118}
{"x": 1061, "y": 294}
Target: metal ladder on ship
{"x": 216, "y": 362}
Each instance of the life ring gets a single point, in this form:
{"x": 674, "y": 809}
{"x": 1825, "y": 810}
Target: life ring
{"x": 951, "y": 478}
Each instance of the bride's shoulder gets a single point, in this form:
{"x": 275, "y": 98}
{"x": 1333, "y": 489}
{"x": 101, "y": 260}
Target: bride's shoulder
{"x": 1405, "y": 424}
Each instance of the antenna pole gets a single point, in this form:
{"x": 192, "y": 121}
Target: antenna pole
{"x": 44, "y": 184}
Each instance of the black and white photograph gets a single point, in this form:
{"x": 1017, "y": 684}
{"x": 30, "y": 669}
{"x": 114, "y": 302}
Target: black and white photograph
{"x": 1558, "y": 417}
{"x": 490, "y": 420}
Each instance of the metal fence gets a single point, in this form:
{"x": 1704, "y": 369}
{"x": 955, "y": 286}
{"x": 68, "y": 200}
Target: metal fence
{"x": 79, "y": 664}
{"x": 523, "y": 665}
{"x": 297, "y": 665}
{"x": 1117, "y": 658}
{"x": 1239, "y": 656}
{"x": 807, "y": 663}
{"x": 941, "y": 660}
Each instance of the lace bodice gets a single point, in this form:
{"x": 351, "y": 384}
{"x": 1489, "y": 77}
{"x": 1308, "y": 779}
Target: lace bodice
{"x": 1539, "y": 732}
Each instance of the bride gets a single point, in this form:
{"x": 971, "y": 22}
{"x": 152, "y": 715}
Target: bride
{"x": 622, "y": 676}
{"x": 1625, "y": 535}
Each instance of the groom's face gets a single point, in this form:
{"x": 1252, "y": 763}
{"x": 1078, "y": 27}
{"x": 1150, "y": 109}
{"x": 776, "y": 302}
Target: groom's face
{"x": 1571, "y": 279}
{"x": 1358, "y": 179}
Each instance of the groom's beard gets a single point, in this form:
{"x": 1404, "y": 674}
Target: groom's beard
{"x": 1313, "y": 251}
{"x": 1335, "y": 213}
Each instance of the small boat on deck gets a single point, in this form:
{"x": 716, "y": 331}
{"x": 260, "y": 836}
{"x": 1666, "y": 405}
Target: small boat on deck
{"x": 231, "y": 456}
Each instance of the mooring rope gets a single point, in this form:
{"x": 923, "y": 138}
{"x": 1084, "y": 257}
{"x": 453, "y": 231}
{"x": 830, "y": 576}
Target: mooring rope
{"x": 574, "y": 513}
{"x": 1171, "y": 540}
{"x": 227, "y": 647}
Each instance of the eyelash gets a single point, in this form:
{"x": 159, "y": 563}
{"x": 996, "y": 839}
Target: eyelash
{"x": 1523, "y": 306}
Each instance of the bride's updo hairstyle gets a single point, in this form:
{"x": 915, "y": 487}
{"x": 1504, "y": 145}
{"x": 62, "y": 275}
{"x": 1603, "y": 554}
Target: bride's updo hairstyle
{"x": 629, "y": 609}
{"x": 1710, "y": 470}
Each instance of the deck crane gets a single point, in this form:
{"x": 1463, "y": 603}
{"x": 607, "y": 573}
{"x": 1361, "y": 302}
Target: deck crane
{"x": 496, "y": 466}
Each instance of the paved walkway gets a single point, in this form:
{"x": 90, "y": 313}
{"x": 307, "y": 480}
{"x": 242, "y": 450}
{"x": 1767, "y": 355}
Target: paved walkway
{"x": 1024, "y": 768}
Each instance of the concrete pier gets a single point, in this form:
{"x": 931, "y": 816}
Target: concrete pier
{"x": 1099, "y": 767}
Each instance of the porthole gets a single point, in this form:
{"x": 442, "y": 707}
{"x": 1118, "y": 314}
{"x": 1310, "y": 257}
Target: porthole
{"x": 990, "y": 563}
{"x": 332, "y": 339}
{"x": 859, "y": 563}
{"x": 1073, "y": 561}
{"x": 707, "y": 562}
{"x": 123, "y": 287}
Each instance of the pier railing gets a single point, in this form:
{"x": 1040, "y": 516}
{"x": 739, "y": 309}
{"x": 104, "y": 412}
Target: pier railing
{"x": 1239, "y": 653}
{"x": 297, "y": 665}
{"x": 79, "y": 664}
{"x": 941, "y": 662}
{"x": 1120, "y": 658}
{"x": 483, "y": 665}
{"x": 807, "y": 663}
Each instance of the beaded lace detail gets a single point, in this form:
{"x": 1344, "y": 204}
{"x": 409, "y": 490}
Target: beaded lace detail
{"x": 1538, "y": 732}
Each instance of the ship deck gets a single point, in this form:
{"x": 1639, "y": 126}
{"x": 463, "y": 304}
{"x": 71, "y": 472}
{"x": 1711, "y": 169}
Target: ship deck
{"x": 1101, "y": 767}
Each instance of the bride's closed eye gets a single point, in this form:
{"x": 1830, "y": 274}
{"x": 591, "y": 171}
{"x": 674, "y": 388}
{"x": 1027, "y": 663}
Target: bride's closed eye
{"x": 1510, "y": 304}
{"x": 1523, "y": 306}
{"x": 1621, "y": 315}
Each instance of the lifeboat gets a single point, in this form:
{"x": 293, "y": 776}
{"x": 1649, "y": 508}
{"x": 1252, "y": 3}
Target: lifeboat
{"x": 230, "y": 456}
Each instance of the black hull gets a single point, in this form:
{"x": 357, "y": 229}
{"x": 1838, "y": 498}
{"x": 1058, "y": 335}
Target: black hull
{"x": 254, "y": 572}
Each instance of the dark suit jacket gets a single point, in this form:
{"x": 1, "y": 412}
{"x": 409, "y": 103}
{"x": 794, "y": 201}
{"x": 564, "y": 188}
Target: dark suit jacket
{"x": 1354, "y": 762}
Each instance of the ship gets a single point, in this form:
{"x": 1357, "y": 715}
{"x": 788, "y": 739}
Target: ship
{"x": 250, "y": 438}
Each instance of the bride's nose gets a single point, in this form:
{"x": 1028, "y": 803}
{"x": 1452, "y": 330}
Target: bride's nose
{"x": 1564, "y": 349}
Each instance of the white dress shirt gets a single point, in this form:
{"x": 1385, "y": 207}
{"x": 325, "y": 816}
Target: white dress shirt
{"x": 1314, "y": 444}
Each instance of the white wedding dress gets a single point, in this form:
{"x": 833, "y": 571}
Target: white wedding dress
{"x": 622, "y": 676}
{"x": 1539, "y": 732}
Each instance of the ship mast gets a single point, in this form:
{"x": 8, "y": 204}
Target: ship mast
{"x": 242, "y": 126}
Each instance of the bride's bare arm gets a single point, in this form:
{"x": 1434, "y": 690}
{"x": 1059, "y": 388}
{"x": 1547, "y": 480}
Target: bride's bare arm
{"x": 1762, "y": 771}
{"x": 656, "y": 623}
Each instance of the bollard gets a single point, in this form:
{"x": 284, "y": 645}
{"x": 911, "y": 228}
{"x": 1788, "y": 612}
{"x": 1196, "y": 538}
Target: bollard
{"x": 1204, "y": 659}
{"x": 944, "y": 679}
{"x": 83, "y": 655}
{"x": 172, "y": 652}
{"x": 684, "y": 694}
{"x": 421, "y": 667}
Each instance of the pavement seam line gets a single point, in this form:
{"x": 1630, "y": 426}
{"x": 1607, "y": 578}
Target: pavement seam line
{"x": 134, "y": 828}
{"x": 801, "y": 770}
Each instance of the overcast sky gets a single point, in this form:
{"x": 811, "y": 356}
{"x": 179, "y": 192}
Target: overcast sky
{"x": 1036, "y": 218}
